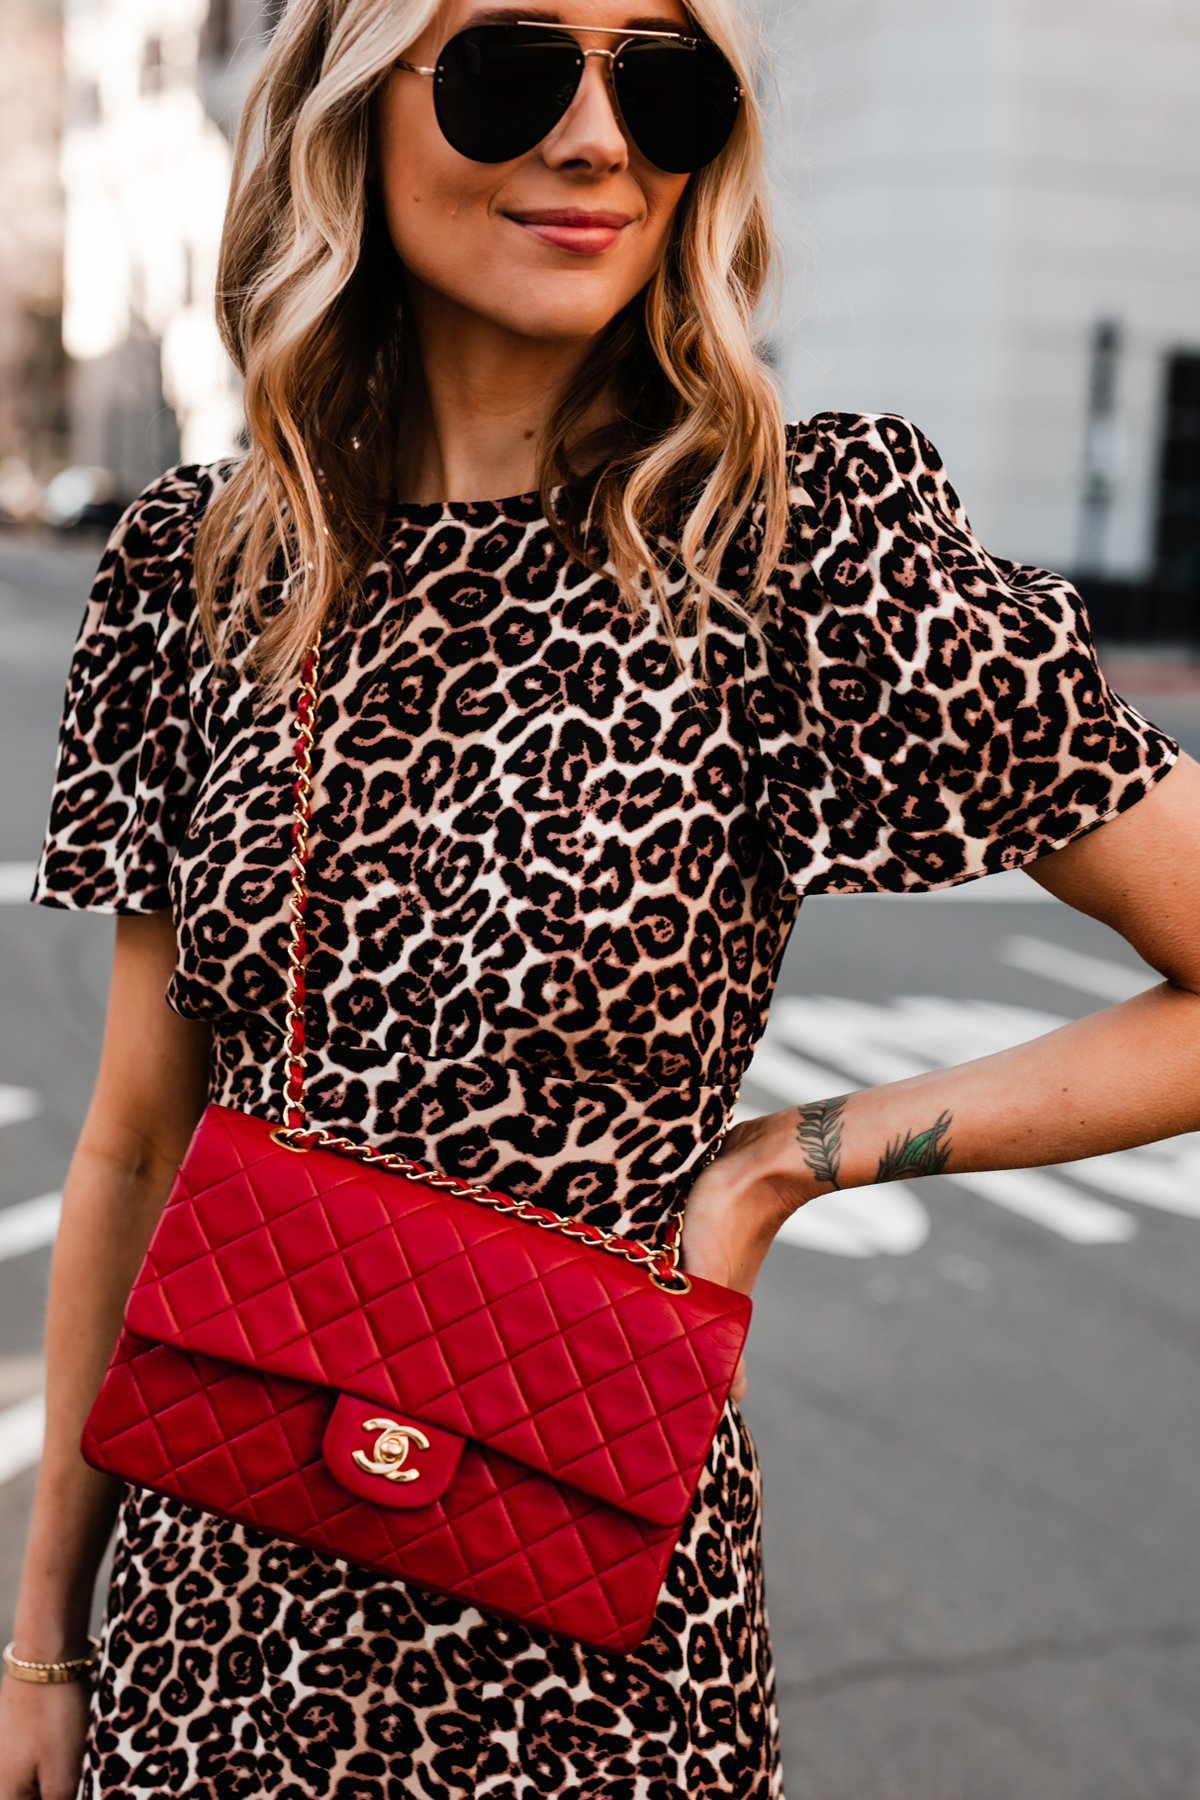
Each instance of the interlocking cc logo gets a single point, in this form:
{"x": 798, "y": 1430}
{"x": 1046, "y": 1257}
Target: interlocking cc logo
{"x": 391, "y": 1450}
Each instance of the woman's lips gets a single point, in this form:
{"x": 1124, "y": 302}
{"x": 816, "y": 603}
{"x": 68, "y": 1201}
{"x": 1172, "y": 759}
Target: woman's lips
{"x": 567, "y": 228}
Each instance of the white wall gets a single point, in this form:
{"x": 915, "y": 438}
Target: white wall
{"x": 983, "y": 180}
{"x": 146, "y": 172}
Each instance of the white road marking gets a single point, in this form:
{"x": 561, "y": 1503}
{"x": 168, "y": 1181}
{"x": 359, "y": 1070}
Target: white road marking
{"x": 1090, "y": 974}
{"x": 907, "y": 1037}
{"x": 17, "y": 1103}
{"x": 790, "y": 1078}
{"x": 945, "y": 1031}
{"x": 29, "y": 1225}
{"x": 16, "y": 882}
{"x": 866, "y": 1221}
{"x": 1038, "y": 1196}
{"x": 1166, "y": 1175}
{"x": 851, "y": 1034}
{"x": 22, "y": 1428}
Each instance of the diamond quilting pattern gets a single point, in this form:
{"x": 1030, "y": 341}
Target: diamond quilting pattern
{"x": 248, "y": 1446}
{"x": 318, "y": 1269}
{"x": 588, "y": 1397}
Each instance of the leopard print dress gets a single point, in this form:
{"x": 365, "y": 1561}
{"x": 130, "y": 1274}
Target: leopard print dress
{"x": 552, "y": 878}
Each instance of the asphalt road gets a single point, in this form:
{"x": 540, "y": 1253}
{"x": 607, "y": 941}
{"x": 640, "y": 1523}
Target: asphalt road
{"x": 976, "y": 1406}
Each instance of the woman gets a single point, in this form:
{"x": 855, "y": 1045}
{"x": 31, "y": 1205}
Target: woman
{"x": 578, "y": 754}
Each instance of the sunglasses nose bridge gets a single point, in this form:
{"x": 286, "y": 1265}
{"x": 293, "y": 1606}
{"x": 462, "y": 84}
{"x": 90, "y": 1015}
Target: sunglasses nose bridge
{"x": 610, "y": 58}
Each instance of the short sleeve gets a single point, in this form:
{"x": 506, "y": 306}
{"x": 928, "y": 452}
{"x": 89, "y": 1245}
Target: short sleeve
{"x": 926, "y": 712}
{"x": 130, "y": 756}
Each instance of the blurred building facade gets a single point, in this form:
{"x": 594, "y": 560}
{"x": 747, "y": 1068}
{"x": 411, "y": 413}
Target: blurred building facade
{"x": 153, "y": 91}
{"x": 1000, "y": 238}
{"x": 993, "y": 216}
{"x": 33, "y": 421}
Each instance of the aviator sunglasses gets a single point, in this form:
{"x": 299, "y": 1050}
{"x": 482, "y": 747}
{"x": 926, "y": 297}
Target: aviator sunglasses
{"x": 498, "y": 90}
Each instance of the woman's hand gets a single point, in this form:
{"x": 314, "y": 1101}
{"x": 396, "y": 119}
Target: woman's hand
{"x": 738, "y": 1203}
{"x": 43, "y": 1731}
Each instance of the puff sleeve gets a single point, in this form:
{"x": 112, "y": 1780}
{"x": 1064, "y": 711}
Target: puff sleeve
{"x": 130, "y": 756}
{"x": 924, "y": 712}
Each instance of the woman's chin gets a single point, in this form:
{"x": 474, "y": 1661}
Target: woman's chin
{"x": 556, "y": 319}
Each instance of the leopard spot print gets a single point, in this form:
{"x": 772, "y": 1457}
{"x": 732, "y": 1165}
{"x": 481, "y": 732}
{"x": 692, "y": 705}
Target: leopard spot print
{"x": 552, "y": 876}
{"x": 235, "y": 1665}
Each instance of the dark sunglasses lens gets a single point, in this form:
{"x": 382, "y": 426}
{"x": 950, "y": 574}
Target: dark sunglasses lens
{"x": 680, "y": 102}
{"x": 500, "y": 89}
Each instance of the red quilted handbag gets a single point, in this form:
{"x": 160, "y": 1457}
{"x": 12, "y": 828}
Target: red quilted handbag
{"x": 443, "y": 1383}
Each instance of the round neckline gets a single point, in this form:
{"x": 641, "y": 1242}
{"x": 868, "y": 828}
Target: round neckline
{"x": 478, "y": 512}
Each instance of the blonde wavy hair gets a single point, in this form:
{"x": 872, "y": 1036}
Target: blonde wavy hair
{"x": 311, "y": 308}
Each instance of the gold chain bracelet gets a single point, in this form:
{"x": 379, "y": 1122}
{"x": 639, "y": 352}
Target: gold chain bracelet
{"x": 74, "y": 1669}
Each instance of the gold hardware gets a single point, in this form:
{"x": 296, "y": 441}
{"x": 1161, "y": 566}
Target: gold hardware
{"x": 306, "y": 718}
{"x": 278, "y": 1137}
{"x": 621, "y": 31}
{"x": 671, "y": 1281}
{"x": 391, "y": 1450}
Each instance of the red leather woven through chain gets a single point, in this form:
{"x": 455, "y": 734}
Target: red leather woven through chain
{"x": 302, "y": 1296}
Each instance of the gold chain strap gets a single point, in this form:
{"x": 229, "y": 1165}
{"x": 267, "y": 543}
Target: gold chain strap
{"x": 662, "y": 1263}
{"x": 306, "y": 718}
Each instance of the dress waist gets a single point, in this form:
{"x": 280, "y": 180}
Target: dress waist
{"x": 621, "y": 1153}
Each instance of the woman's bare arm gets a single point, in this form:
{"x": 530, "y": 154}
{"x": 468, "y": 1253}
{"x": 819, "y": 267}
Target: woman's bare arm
{"x": 1127, "y": 1075}
{"x": 149, "y": 1093}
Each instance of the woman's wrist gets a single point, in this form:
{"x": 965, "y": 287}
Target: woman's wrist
{"x": 54, "y": 1605}
{"x": 765, "y": 1167}
{"x": 738, "y": 1203}
{"x": 895, "y": 1132}
{"x": 51, "y": 1633}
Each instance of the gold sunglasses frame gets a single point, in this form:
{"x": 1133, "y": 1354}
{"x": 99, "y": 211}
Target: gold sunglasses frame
{"x": 626, "y": 37}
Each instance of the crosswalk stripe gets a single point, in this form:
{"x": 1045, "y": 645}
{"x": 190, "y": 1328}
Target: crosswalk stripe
{"x": 22, "y": 1429}
{"x": 1090, "y": 974}
{"x": 789, "y": 1077}
{"x": 865, "y": 1221}
{"x": 1169, "y": 1183}
{"x": 16, "y": 882}
{"x": 906, "y": 1037}
{"x": 29, "y": 1225}
{"x": 17, "y": 1103}
{"x": 1051, "y": 1204}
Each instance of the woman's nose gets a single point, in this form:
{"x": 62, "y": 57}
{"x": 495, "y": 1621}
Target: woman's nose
{"x": 589, "y": 135}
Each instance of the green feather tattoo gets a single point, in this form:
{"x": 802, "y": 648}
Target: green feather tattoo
{"x": 924, "y": 1154}
{"x": 819, "y": 1133}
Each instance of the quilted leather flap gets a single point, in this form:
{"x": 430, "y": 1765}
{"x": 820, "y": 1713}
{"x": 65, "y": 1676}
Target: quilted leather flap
{"x": 323, "y": 1269}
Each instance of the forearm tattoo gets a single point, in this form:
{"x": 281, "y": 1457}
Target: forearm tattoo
{"x": 819, "y": 1134}
{"x": 925, "y": 1154}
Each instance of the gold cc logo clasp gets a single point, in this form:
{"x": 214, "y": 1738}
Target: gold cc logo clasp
{"x": 391, "y": 1450}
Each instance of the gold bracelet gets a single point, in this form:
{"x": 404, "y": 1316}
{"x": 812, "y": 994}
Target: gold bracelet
{"x": 74, "y": 1670}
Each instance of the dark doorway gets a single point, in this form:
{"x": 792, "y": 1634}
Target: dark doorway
{"x": 1164, "y": 608}
{"x": 1177, "y": 541}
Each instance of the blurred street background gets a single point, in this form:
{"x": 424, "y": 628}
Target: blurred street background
{"x": 976, "y": 1400}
